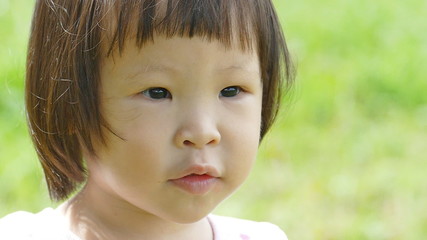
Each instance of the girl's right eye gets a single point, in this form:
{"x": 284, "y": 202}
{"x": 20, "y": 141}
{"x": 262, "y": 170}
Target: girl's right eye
{"x": 157, "y": 93}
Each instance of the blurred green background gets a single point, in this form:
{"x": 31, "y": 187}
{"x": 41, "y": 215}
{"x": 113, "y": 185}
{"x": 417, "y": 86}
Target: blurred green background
{"x": 347, "y": 158}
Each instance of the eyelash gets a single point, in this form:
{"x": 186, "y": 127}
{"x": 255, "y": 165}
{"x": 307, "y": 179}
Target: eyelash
{"x": 161, "y": 93}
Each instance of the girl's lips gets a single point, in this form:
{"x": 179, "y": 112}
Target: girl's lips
{"x": 195, "y": 184}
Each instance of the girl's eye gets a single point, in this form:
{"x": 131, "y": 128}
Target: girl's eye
{"x": 230, "y": 91}
{"x": 156, "y": 93}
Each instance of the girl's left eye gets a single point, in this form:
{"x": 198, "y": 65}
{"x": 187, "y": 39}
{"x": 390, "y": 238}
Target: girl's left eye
{"x": 157, "y": 93}
{"x": 230, "y": 91}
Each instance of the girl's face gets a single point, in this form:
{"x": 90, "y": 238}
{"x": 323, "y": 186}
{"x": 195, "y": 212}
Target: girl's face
{"x": 180, "y": 107}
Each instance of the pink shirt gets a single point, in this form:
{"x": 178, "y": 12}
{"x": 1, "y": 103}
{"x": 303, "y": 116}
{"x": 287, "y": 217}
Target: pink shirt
{"x": 50, "y": 225}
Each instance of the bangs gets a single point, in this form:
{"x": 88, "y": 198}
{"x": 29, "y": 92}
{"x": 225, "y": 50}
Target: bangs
{"x": 229, "y": 22}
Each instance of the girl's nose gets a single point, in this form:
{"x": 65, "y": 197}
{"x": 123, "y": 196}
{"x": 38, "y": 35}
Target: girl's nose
{"x": 197, "y": 132}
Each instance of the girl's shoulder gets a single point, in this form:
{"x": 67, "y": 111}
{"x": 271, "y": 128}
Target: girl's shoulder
{"x": 47, "y": 225}
{"x": 229, "y": 228}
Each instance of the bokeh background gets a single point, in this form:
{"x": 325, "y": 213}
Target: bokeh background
{"x": 347, "y": 157}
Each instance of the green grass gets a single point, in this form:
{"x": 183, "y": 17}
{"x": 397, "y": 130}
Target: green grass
{"x": 21, "y": 185}
{"x": 346, "y": 160}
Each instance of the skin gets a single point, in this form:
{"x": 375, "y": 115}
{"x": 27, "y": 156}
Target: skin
{"x": 204, "y": 111}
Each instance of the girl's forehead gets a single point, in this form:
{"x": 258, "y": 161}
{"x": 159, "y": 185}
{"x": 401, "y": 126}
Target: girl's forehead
{"x": 176, "y": 52}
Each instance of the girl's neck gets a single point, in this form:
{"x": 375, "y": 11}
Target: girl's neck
{"x": 92, "y": 217}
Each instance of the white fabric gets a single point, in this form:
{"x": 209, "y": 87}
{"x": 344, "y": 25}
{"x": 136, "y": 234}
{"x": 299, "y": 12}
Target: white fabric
{"x": 228, "y": 228}
{"x": 50, "y": 225}
{"x": 45, "y": 225}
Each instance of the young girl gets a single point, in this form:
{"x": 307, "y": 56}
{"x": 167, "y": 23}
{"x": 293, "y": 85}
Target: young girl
{"x": 147, "y": 114}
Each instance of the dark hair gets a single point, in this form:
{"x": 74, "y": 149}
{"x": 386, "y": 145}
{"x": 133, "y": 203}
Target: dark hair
{"x": 69, "y": 39}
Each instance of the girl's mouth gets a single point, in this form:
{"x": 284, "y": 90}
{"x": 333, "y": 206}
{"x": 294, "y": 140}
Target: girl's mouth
{"x": 195, "y": 184}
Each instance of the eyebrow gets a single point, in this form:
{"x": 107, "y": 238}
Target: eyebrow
{"x": 156, "y": 68}
{"x": 241, "y": 67}
{"x": 150, "y": 68}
